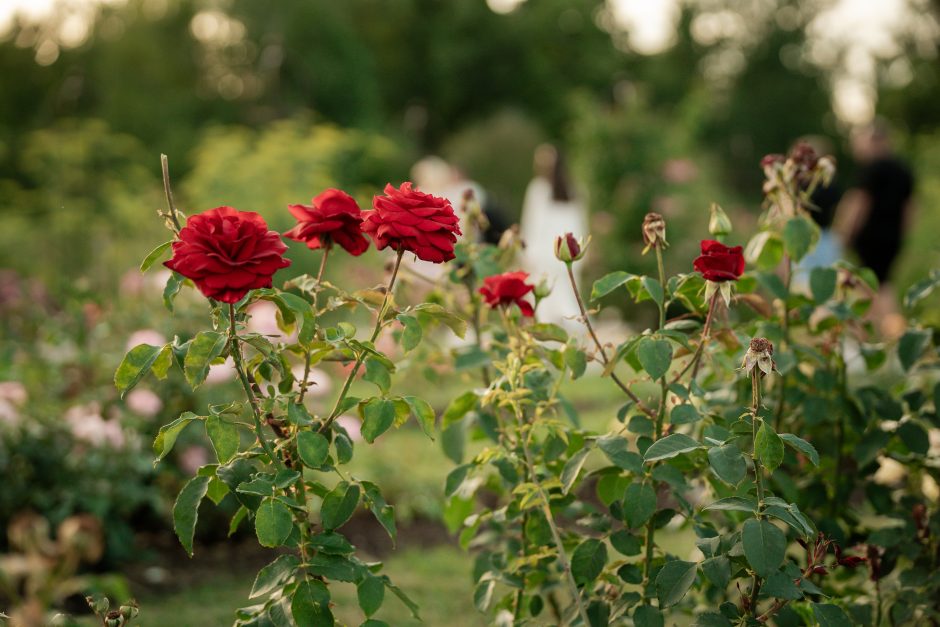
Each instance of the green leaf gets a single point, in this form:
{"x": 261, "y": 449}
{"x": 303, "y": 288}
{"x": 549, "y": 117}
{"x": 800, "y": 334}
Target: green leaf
{"x": 383, "y": 512}
{"x": 733, "y": 504}
{"x": 339, "y": 505}
{"x": 684, "y": 414}
{"x": 454, "y": 322}
{"x": 799, "y": 236}
{"x": 728, "y": 463}
{"x": 224, "y": 437}
{"x": 404, "y": 598}
{"x": 186, "y": 510}
{"x": 371, "y": 593}
{"x": 313, "y": 448}
{"x": 483, "y": 592}
{"x": 718, "y": 571}
{"x": 911, "y": 346}
{"x": 273, "y": 523}
{"x": 274, "y": 575}
{"x": 338, "y": 567}
{"x": 654, "y": 289}
{"x": 625, "y": 542}
{"x": 647, "y": 616}
{"x": 802, "y": 446}
{"x": 423, "y": 412}
{"x": 673, "y": 581}
{"x": 711, "y": 619}
{"x": 310, "y": 604}
{"x": 154, "y": 255}
{"x": 576, "y": 361}
{"x": 173, "y": 285}
{"x": 378, "y": 373}
{"x": 205, "y": 347}
{"x": 161, "y": 365}
{"x": 822, "y": 283}
{"x": 780, "y": 586}
{"x": 655, "y": 356}
{"x": 922, "y": 289}
{"x": 830, "y": 615}
{"x": 455, "y": 477}
{"x": 588, "y": 560}
{"x": 377, "y": 416}
{"x": 615, "y": 448}
{"x": 298, "y": 415}
{"x": 548, "y": 332}
{"x": 411, "y": 333}
{"x": 608, "y": 283}
{"x": 764, "y": 546}
{"x": 639, "y": 504}
{"x": 458, "y": 408}
{"x": 572, "y": 467}
{"x": 769, "y": 447}
{"x": 670, "y": 446}
{"x": 166, "y": 436}
{"x": 134, "y": 366}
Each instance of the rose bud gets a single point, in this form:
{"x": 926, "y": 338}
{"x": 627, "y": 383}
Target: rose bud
{"x": 759, "y": 354}
{"x": 718, "y": 223}
{"x": 568, "y": 248}
{"x": 654, "y": 232}
{"x": 542, "y": 290}
{"x": 130, "y": 610}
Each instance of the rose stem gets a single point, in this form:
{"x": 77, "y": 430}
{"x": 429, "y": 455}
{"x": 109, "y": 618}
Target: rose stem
{"x": 170, "y": 205}
{"x": 600, "y": 348}
{"x": 782, "y": 400}
{"x": 543, "y": 497}
{"x": 696, "y": 358}
{"x": 316, "y": 293}
{"x": 236, "y": 352}
{"x": 362, "y": 355}
{"x": 758, "y": 473}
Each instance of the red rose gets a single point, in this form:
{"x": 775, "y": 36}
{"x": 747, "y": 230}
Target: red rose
{"x": 718, "y": 262}
{"x": 506, "y": 289}
{"x": 333, "y": 217}
{"x": 227, "y": 252}
{"x": 407, "y": 219}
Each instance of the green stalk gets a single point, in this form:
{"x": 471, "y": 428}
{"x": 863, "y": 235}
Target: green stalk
{"x": 361, "y": 357}
{"x": 782, "y": 400}
{"x": 758, "y": 475}
{"x": 316, "y": 293}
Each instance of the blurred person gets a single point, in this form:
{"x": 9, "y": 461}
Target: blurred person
{"x": 551, "y": 208}
{"x": 875, "y": 216}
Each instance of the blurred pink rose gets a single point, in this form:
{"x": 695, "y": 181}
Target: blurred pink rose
{"x": 353, "y": 427}
{"x": 145, "y": 336}
{"x": 193, "y": 458}
{"x": 680, "y": 171}
{"x": 320, "y": 382}
{"x": 88, "y": 425}
{"x": 144, "y": 402}
{"x": 13, "y": 391}
{"x": 221, "y": 373}
{"x": 132, "y": 282}
{"x": 263, "y": 320}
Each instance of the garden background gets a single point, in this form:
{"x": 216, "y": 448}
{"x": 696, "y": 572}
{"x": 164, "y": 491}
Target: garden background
{"x": 263, "y": 104}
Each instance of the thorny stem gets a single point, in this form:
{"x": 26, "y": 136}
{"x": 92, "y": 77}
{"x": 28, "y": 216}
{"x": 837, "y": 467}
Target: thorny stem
{"x": 600, "y": 347}
{"x": 782, "y": 399}
{"x": 362, "y": 355}
{"x": 758, "y": 475}
{"x": 306, "y": 382}
{"x": 170, "y": 204}
{"x": 650, "y": 541}
{"x": 533, "y": 478}
{"x": 697, "y": 357}
{"x": 236, "y": 352}
{"x": 477, "y": 330}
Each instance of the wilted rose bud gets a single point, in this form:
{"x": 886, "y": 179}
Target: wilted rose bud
{"x": 760, "y": 354}
{"x": 718, "y": 223}
{"x": 130, "y": 610}
{"x": 100, "y": 605}
{"x": 114, "y": 619}
{"x": 654, "y": 232}
{"x": 826, "y": 168}
{"x": 770, "y": 162}
{"x": 568, "y": 248}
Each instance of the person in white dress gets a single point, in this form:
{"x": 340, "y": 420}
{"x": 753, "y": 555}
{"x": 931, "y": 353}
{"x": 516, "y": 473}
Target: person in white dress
{"x": 552, "y": 208}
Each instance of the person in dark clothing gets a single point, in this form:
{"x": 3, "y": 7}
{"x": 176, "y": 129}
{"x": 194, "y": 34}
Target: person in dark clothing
{"x": 876, "y": 216}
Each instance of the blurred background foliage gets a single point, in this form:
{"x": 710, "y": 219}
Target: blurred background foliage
{"x": 261, "y": 104}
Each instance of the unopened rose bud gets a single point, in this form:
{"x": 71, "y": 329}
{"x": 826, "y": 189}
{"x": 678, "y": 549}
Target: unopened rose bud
{"x": 760, "y": 354}
{"x": 826, "y": 168}
{"x": 100, "y": 605}
{"x": 654, "y": 232}
{"x": 542, "y": 289}
{"x": 114, "y": 619}
{"x": 130, "y": 611}
{"x": 568, "y": 248}
{"x": 719, "y": 223}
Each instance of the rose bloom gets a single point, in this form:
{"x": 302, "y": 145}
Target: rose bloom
{"x": 506, "y": 289}
{"x": 409, "y": 220}
{"x": 718, "y": 262}
{"x": 333, "y": 216}
{"x": 227, "y": 253}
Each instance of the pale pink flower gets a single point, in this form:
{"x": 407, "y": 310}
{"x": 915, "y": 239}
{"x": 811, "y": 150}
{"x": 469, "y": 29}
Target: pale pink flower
{"x": 263, "y": 319}
{"x": 221, "y": 373}
{"x": 144, "y": 402}
{"x": 13, "y": 391}
{"x": 193, "y": 458}
{"x": 132, "y": 282}
{"x": 145, "y": 336}
{"x": 8, "y": 413}
{"x": 88, "y": 425}
{"x": 353, "y": 427}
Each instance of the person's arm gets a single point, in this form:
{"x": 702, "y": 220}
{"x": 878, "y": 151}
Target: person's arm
{"x": 852, "y": 214}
